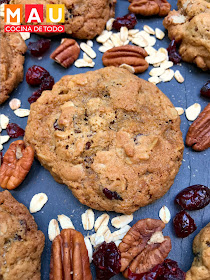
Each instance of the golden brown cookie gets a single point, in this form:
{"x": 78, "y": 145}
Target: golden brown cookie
{"x": 200, "y": 269}
{"x": 83, "y": 19}
{"x": 190, "y": 26}
{"x": 111, "y": 137}
{"x": 12, "y": 48}
{"x": 21, "y": 243}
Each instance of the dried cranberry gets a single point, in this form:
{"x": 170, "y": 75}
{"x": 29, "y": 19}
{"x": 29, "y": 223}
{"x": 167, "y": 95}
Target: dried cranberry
{"x": 47, "y": 83}
{"x": 107, "y": 259}
{"x": 1, "y": 158}
{"x": 39, "y": 47}
{"x": 205, "y": 90}
{"x": 111, "y": 195}
{"x": 35, "y": 75}
{"x": 128, "y": 20}
{"x": 35, "y": 95}
{"x": 194, "y": 197}
{"x": 173, "y": 53}
{"x": 184, "y": 225}
{"x": 14, "y": 131}
{"x": 150, "y": 275}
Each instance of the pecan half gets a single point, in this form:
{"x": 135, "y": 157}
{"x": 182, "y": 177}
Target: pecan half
{"x": 198, "y": 135}
{"x": 66, "y": 53}
{"x": 16, "y": 165}
{"x": 131, "y": 55}
{"x": 150, "y": 7}
{"x": 144, "y": 246}
{"x": 69, "y": 257}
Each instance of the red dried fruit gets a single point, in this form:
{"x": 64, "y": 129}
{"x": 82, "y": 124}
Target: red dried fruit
{"x": 193, "y": 198}
{"x": 205, "y": 90}
{"x": 107, "y": 258}
{"x": 35, "y": 95}
{"x": 14, "y": 131}
{"x": 111, "y": 195}
{"x": 128, "y": 20}
{"x": 173, "y": 54}
{"x": 184, "y": 225}
{"x": 35, "y": 75}
{"x": 39, "y": 47}
{"x": 47, "y": 83}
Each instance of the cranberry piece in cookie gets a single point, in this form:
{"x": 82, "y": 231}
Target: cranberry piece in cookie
{"x": 173, "y": 54}
{"x": 111, "y": 195}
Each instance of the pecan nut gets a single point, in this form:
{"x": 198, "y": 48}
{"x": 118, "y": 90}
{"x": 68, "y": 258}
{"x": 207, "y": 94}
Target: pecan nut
{"x": 66, "y": 53}
{"x": 150, "y": 7}
{"x": 69, "y": 257}
{"x": 16, "y": 165}
{"x": 131, "y": 55}
{"x": 144, "y": 247}
{"x": 198, "y": 135}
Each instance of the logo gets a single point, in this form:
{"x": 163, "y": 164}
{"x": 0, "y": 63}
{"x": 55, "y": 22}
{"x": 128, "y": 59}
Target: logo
{"x": 14, "y": 15}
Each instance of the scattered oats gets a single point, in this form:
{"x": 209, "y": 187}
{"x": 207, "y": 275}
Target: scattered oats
{"x": 98, "y": 240}
{"x": 149, "y": 29}
{"x": 156, "y": 58}
{"x": 88, "y": 219}
{"x": 121, "y": 221}
{"x": 178, "y": 19}
{"x": 130, "y": 38}
{"x": 150, "y": 50}
{"x": 37, "y": 202}
{"x": 103, "y": 49}
{"x": 178, "y": 76}
{"x": 164, "y": 51}
{"x": 119, "y": 234}
{"x": 4, "y": 139}
{"x": 154, "y": 80}
{"x": 143, "y": 34}
{"x": 21, "y": 113}
{"x": 151, "y": 41}
{"x": 15, "y": 103}
{"x": 155, "y": 72}
{"x": 108, "y": 44}
{"x": 87, "y": 58}
{"x": 88, "y": 50}
{"x": 123, "y": 33}
{"x": 116, "y": 40}
{"x": 108, "y": 236}
{"x": 79, "y": 63}
{"x": 53, "y": 229}
{"x": 128, "y": 67}
{"x": 140, "y": 41}
{"x": 1, "y": 147}
{"x": 157, "y": 237}
{"x": 193, "y": 111}
{"x": 65, "y": 222}
{"x": 109, "y": 24}
{"x": 157, "y": 64}
{"x": 159, "y": 34}
{"x": 89, "y": 248}
{"x": 25, "y": 35}
{"x": 117, "y": 242}
{"x": 4, "y": 121}
{"x": 165, "y": 214}
{"x": 132, "y": 32}
{"x": 167, "y": 75}
{"x": 180, "y": 110}
{"x": 89, "y": 43}
{"x": 101, "y": 220}
{"x": 102, "y": 231}
{"x": 166, "y": 64}
{"x": 126, "y": 43}
{"x": 105, "y": 35}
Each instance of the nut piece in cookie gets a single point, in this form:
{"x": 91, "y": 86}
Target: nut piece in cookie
{"x": 12, "y": 48}
{"x": 130, "y": 55}
{"x": 144, "y": 247}
{"x": 16, "y": 165}
{"x": 150, "y": 7}
{"x": 21, "y": 243}
{"x": 198, "y": 135}
{"x": 190, "y": 26}
{"x": 66, "y": 53}
{"x": 200, "y": 268}
{"x": 69, "y": 257}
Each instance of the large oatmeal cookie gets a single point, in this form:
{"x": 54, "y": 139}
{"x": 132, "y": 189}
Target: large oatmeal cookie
{"x": 83, "y": 19}
{"x": 190, "y": 26}
{"x": 21, "y": 243}
{"x": 12, "y": 48}
{"x": 107, "y": 130}
{"x": 200, "y": 269}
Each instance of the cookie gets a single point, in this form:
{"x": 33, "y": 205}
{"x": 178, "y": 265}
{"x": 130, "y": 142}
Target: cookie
{"x": 83, "y": 19}
{"x": 200, "y": 269}
{"x": 190, "y": 26}
{"x": 21, "y": 243}
{"x": 12, "y": 48}
{"x": 111, "y": 137}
